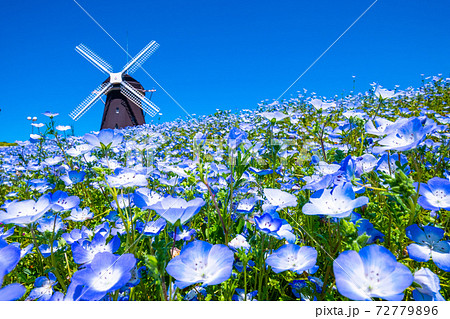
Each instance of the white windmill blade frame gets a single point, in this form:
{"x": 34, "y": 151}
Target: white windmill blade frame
{"x": 140, "y": 58}
{"x": 90, "y": 100}
{"x": 139, "y": 99}
{"x": 97, "y": 61}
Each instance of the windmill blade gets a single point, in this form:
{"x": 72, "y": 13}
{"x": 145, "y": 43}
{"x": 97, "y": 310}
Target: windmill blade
{"x": 140, "y": 58}
{"x": 90, "y": 100}
{"x": 139, "y": 99}
{"x": 97, "y": 61}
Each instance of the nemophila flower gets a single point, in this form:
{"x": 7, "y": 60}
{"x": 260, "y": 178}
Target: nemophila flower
{"x": 9, "y": 258}
{"x": 136, "y": 274}
{"x": 292, "y": 257}
{"x": 85, "y": 252}
{"x": 241, "y": 296}
{"x": 79, "y": 150}
{"x": 246, "y": 205}
{"x": 46, "y": 250}
{"x": 77, "y": 235}
{"x": 12, "y": 292}
{"x": 61, "y": 201}
{"x": 235, "y": 138}
{"x": 239, "y": 265}
{"x": 106, "y": 273}
{"x": 277, "y": 116}
{"x": 63, "y": 128}
{"x": 339, "y": 202}
{"x": 194, "y": 293}
{"x": 260, "y": 172}
{"x": 307, "y": 290}
{"x": 151, "y": 228}
{"x": 435, "y": 194}
{"x": 43, "y": 288}
{"x": 6, "y": 233}
{"x": 126, "y": 177}
{"x": 105, "y": 138}
{"x": 201, "y": 262}
{"x": 52, "y": 161}
{"x": 372, "y": 273}
{"x": 26, "y": 212}
{"x": 173, "y": 209}
{"x": 428, "y": 244}
{"x": 280, "y": 198}
{"x": 200, "y": 138}
{"x": 429, "y": 286}
{"x": 123, "y": 201}
{"x": 320, "y": 105}
{"x": 103, "y": 229}
{"x": 50, "y": 114}
{"x": 383, "y": 163}
{"x": 185, "y": 234}
{"x": 365, "y": 226}
{"x": 80, "y": 215}
{"x": 144, "y": 197}
{"x": 239, "y": 242}
{"x": 404, "y": 137}
{"x": 365, "y": 164}
{"x": 73, "y": 177}
{"x": 50, "y": 224}
{"x": 385, "y": 93}
{"x": 267, "y": 224}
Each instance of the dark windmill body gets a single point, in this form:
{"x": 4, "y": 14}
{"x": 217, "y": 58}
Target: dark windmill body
{"x": 125, "y": 97}
{"x": 120, "y": 111}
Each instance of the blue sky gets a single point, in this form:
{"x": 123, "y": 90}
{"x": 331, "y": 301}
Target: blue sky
{"x": 213, "y": 54}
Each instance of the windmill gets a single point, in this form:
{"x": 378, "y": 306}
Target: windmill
{"x": 125, "y": 97}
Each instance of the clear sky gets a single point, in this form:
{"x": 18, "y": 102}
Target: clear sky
{"x": 213, "y": 54}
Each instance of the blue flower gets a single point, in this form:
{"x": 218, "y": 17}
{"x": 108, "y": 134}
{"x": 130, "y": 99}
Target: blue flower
{"x": 186, "y": 234}
{"x": 77, "y": 235}
{"x": 173, "y": 209}
{"x": 240, "y": 295}
{"x": 9, "y": 258}
{"x": 246, "y": 205}
{"x": 428, "y": 244}
{"x": 435, "y": 194}
{"x": 365, "y": 226}
{"x": 26, "y": 212}
{"x": 50, "y": 224}
{"x": 429, "y": 286}
{"x": 61, "y": 201}
{"x": 373, "y": 272}
{"x": 405, "y": 137}
{"x": 105, "y": 138}
{"x": 12, "y": 292}
{"x": 73, "y": 177}
{"x": 6, "y": 233}
{"x": 43, "y": 288}
{"x": 80, "y": 215}
{"x": 235, "y": 138}
{"x": 46, "y": 250}
{"x": 292, "y": 257}
{"x": 106, "y": 273}
{"x": 126, "y": 177}
{"x": 279, "y": 198}
{"x": 144, "y": 198}
{"x": 151, "y": 228}
{"x": 239, "y": 242}
{"x": 200, "y": 261}
{"x": 267, "y": 224}
{"x": 339, "y": 202}
{"x": 86, "y": 251}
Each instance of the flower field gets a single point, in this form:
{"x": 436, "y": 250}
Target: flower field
{"x": 303, "y": 199}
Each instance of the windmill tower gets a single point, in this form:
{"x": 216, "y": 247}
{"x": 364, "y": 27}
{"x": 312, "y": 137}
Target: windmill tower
{"x": 125, "y": 97}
